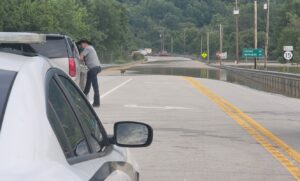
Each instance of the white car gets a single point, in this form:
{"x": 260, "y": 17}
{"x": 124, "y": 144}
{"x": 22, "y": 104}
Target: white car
{"x": 49, "y": 131}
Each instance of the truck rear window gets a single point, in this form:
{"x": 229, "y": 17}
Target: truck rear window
{"x": 55, "y": 47}
{"x": 6, "y": 82}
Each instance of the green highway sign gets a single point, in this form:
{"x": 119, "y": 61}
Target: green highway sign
{"x": 253, "y": 53}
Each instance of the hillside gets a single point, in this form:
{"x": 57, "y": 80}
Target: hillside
{"x": 116, "y": 27}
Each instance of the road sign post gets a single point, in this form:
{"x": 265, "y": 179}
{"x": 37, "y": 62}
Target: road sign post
{"x": 255, "y": 31}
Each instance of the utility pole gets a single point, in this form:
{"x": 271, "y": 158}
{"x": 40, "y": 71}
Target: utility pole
{"x": 221, "y": 43}
{"x": 172, "y": 44}
{"x": 163, "y": 41}
{"x": 221, "y": 38}
{"x": 208, "y": 48}
{"x": 184, "y": 39}
{"x": 236, "y": 12}
{"x": 267, "y": 7}
{"x": 255, "y": 31}
{"x": 162, "y": 48}
{"x": 201, "y": 46}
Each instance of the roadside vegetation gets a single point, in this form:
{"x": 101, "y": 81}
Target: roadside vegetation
{"x": 117, "y": 27}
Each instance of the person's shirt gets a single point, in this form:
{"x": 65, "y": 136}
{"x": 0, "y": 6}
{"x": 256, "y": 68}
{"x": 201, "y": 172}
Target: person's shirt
{"x": 90, "y": 57}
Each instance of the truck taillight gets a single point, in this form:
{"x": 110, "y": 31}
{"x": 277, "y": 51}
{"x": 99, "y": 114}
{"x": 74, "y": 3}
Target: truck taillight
{"x": 72, "y": 67}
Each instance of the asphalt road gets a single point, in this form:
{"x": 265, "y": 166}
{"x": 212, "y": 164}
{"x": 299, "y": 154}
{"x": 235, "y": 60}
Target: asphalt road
{"x": 205, "y": 129}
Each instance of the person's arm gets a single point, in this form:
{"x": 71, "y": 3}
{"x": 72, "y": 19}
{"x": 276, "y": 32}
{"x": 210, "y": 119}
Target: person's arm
{"x": 83, "y": 54}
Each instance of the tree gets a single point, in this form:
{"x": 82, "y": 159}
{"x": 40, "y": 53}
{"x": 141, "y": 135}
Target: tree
{"x": 115, "y": 26}
{"x": 109, "y": 24}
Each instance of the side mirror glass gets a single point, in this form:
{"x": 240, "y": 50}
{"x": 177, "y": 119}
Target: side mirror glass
{"x": 81, "y": 148}
{"x": 132, "y": 134}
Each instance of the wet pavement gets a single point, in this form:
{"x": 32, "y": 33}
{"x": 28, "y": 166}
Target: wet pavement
{"x": 201, "y": 70}
{"x": 195, "y": 136}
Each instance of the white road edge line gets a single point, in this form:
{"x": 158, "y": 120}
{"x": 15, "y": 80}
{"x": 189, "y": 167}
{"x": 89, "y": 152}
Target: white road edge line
{"x": 156, "y": 107}
{"x": 114, "y": 89}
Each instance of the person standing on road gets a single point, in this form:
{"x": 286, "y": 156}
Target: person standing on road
{"x": 90, "y": 57}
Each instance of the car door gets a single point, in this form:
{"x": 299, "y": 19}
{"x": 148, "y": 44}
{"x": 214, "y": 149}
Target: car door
{"x": 80, "y": 65}
{"x": 91, "y": 157}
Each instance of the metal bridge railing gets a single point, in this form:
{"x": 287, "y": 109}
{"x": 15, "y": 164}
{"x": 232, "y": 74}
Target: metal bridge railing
{"x": 276, "y": 82}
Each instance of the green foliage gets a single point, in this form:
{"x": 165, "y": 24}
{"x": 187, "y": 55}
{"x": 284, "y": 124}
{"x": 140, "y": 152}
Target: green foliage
{"x": 149, "y": 18}
{"x": 116, "y": 27}
{"x": 44, "y": 16}
{"x": 108, "y": 22}
{"x": 138, "y": 56}
{"x": 103, "y": 21}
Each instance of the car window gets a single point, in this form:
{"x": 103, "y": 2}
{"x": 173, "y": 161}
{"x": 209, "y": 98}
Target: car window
{"x": 75, "y": 50}
{"x": 86, "y": 115}
{"x": 72, "y": 47}
{"x": 6, "y": 82}
{"x": 55, "y": 47}
{"x": 60, "y": 108}
{"x": 18, "y": 48}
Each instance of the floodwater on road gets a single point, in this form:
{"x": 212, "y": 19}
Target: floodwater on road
{"x": 292, "y": 90}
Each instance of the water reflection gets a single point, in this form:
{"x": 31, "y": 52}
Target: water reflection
{"x": 279, "y": 85}
{"x": 132, "y": 134}
{"x": 191, "y": 72}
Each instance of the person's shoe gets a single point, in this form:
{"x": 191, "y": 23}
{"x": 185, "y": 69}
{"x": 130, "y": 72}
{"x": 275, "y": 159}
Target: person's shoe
{"x": 96, "y": 105}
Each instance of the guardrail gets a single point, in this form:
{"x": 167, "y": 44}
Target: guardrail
{"x": 276, "y": 82}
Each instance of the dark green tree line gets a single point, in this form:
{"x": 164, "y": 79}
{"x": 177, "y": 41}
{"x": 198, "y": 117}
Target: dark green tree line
{"x": 103, "y": 21}
{"x": 119, "y": 26}
{"x": 196, "y": 17}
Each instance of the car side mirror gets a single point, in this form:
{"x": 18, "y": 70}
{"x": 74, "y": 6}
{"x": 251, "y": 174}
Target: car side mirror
{"x": 132, "y": 134}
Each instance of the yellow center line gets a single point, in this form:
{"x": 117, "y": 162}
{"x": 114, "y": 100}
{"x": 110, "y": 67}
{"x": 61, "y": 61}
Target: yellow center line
{"x": 288, "y": 149}
{"x": 254, "y": 129}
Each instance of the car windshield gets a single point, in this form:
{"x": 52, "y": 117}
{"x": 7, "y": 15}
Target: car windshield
{"x": 55, "y": 47}
{"x": 6, "y": 82}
